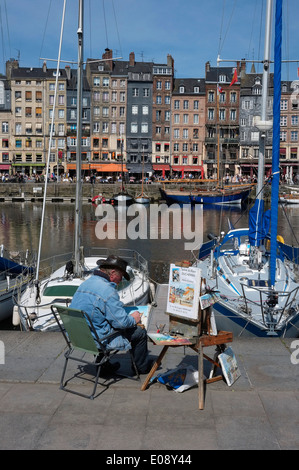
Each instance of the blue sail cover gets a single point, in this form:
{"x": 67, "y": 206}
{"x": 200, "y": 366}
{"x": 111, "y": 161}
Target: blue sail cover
{"x": 9, "y": 266}
{"x": 276, "y": 139}
{"x": 259, "y": 223}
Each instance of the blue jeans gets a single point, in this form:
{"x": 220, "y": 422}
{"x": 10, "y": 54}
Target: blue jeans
{"x": 138, "y": 339}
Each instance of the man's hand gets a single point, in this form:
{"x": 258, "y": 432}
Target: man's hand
{"x": 137, "y": 316}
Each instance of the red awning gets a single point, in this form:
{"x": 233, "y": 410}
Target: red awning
{"x": 104, "y": 167}
{"x": 160, "y": 167}
{"x": 4, "y": 167}
{"x": 186, "y": 167}
{"x": 283, "y": 151}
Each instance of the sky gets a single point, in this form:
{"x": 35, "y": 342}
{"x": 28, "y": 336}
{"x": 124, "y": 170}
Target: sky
{"x": 192, "y": 31}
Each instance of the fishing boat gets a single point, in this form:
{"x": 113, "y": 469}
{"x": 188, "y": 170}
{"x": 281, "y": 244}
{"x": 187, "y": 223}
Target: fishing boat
{"x": 216, "y": 195}
{"x": 33, "y": 309}
{"x": 252, "y": 271}
{"x": 16, "y": 271}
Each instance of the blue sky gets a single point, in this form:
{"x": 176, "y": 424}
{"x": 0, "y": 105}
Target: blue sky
{"x": 192, "y": 31}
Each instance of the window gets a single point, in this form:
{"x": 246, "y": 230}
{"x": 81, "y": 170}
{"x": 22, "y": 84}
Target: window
{"x": 167, "y": 85}
{"x": 159, "y": 85}
{"x": 255, "y": 136}
{"x": 284, "y": 105}
{"x": 176, "y": 133}
{"x": 294, "y": 136}
{"x": 105, "y": 127}
{"x": 28, "y": 96}
{"x": 18, "y": 143}
{"x": 195, "y": 119}
{"x": 222, "y": 114}
{"x": 51, "y": 86}
{"x": 5, "y": 127}
{"x": 196, "y": 104}
{"x": 18, "y": 111}
{"x": 211, "y": 114}
{"x": 145, "y": 110}
{"x": 158, "y": 129}
{"x": 167, "y": 99}
{"x": 144, "y": 127}
{"x": 96, "y": 81}
{"x": 185, "y": 147}
{"x": 176, "y": 119}
{"x": 159, "y": 99}
{"x": 135, "y": 92}
{"x": 283, "y": 120}
{"x": 38, "y": 112}
{"x": 114, "y": 97}
{"x": 61, "y": 100}
{"x": 122, "y": 96}
{"x": 186, "y": 104}
{"x": 18, "y": 95}
{"x": 233, "y": 114}
{"x": 134, "y": 128}
{"x": 181, "y": 89}
{"x": 105, "y": 96}
{"x": 294, "y": 120}
{"x": 146, "y": 92}
{"x": 176, "y": 104}
{"x": 96, "y": 127}
{"x": 105, "y": 111}
{"x": 196, "y": 89}
{"x": 185, "y": 133}
{"x": 61, "y": 113}
{"x": 96, "y": 96}
{"x": 135, "y": 109}
{"x": 167, "y": 115}
{"x": 222, "y": 97}
{"x": 233, "y": 97}
{"x": 176, "y": 147}
{"x": 105, "y": 82}
{"x": 113, "y": 128}
{"x": 283, "y": 136}
{"x": 61, "y": 86}
{"x": 185, "y": 118}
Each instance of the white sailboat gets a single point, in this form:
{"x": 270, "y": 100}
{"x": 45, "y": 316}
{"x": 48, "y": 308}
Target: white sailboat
{"x": 256, "y": 275}
{"x": 33, "y": 309}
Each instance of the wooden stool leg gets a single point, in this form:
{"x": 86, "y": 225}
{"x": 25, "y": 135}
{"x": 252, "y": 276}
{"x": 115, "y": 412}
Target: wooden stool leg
{"x": 154, "y": 368}
{"x": 200, "y": 378}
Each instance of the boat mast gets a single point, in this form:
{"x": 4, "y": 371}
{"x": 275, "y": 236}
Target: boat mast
{"x": 261, "y": 123}
{"x": 78, "y": 204}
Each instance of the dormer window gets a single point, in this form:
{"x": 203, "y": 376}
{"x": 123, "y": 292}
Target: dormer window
{"x": 222, "y": 78}
{"x": 182, "y": 89}
{"x": 196, "y": 89}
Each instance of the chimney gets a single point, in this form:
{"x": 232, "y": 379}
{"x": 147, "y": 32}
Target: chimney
{"x": 108, "y": 55}
{"x": 243, "y": 68}
{"x": 207, "y": 67}
{"x": 170, "y": 61}
{"x": 11, "y": 64}
{"x": 68, "y": 72}
{"x": 44, "y": 66}
{"x": 132, "y": 59}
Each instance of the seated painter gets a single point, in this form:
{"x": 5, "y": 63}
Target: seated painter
{"x": 98, "y": 297}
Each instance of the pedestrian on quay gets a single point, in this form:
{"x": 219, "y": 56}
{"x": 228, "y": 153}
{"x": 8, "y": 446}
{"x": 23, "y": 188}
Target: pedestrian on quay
{"x": 98, "y": 297}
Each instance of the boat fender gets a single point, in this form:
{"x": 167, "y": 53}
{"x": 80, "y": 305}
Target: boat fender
{"x": 16, "y": 320}
{"x": 268, "y": 242}
{"x": 280, "y": 239}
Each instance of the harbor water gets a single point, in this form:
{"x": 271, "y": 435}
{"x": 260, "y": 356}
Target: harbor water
{"x": 138, "y": 230}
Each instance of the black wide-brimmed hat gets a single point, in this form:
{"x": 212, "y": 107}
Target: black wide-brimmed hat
{"x": 115, "y": 262}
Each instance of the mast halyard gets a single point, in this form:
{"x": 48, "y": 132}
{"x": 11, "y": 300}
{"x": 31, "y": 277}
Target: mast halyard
{"x": 78, "y": 204}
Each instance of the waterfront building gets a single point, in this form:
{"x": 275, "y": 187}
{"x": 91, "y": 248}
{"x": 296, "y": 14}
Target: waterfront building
{"x": 250, "y": 108}
{"x": 163, "y": 82}
{"x": 188, "y": 127}
{"x": 6, "y": 142}
{"x": 222, "y": 120}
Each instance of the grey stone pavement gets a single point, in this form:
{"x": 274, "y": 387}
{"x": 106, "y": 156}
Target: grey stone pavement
{"x": 260, "y": 411}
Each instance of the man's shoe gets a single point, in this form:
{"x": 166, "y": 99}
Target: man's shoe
{"x": 109, "y": 368}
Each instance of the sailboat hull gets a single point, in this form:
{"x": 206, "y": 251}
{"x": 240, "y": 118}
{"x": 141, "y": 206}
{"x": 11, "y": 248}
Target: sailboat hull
{"x": 229, "y": 320}
{"x": 205, "y": 197}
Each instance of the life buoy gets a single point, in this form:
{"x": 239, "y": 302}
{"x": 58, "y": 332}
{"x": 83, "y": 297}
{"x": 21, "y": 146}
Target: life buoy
{"x": 94, "y": 199}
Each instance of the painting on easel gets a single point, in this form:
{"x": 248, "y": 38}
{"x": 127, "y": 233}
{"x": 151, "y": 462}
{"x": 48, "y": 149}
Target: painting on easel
{"x": 184, "y": 291}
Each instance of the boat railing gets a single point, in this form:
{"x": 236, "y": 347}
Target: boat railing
{"x": 267, "y": 300}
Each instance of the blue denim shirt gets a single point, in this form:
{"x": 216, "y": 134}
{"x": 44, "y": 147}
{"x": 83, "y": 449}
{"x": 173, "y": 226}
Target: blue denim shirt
{"x": 98, "y": 297}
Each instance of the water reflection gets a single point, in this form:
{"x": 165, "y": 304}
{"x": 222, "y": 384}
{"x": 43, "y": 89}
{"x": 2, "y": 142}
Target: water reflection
{"x": 20, "y": 227}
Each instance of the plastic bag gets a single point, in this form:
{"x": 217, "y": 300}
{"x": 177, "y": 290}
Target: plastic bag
{"x": 180, "y": 379}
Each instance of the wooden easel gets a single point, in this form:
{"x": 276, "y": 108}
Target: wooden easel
{"x": 198, "y": 332}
